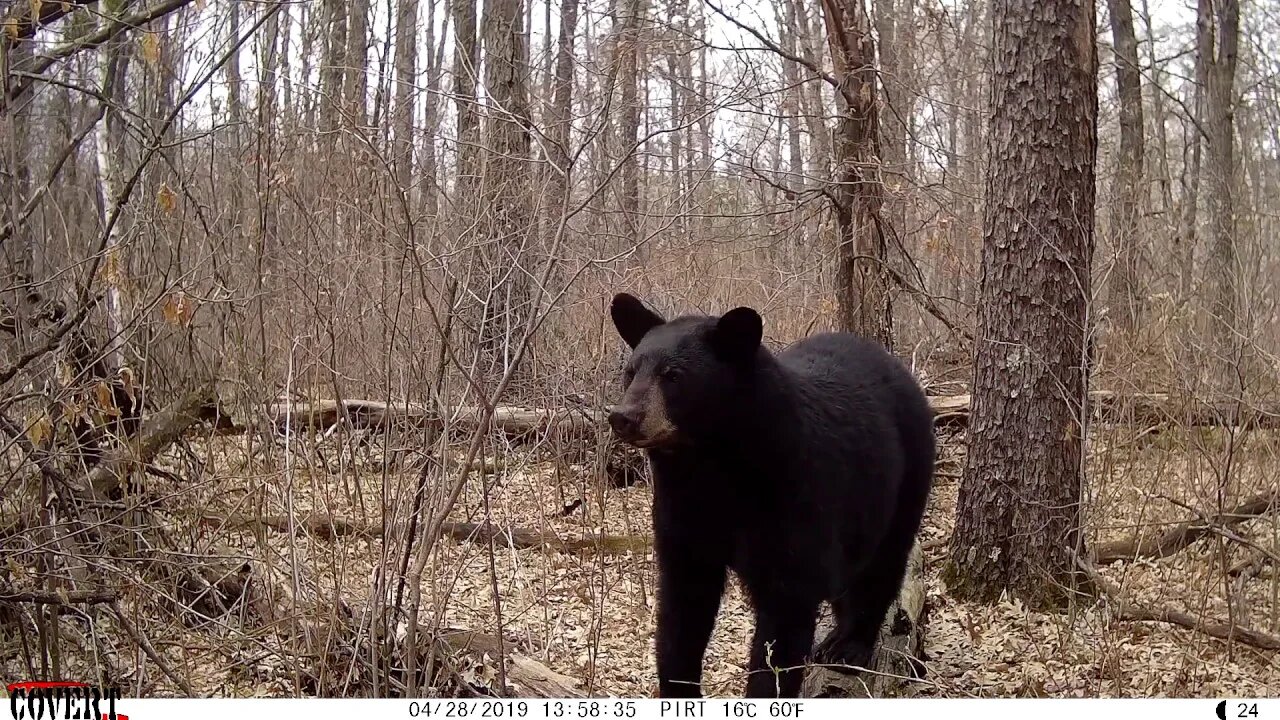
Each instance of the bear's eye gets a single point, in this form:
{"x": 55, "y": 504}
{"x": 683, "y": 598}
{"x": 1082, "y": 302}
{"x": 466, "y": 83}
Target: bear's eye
{"x": 670, "y": 375}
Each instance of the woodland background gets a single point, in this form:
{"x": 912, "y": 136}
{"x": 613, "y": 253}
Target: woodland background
{"x": 305, "y": 330}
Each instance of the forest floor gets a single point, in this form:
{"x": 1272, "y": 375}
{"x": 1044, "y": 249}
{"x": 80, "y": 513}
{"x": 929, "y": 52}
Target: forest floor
{"x": 589, "y": 616}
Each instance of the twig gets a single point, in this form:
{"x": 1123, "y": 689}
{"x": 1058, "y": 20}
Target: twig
{"x": 135, "y": 19}
{"x": 71, "y": 597}
{"x": 27, "y": 19}
{"x": 484, "y": 532}
{"x": 142, "y": 642}
{"x": 1130, "y": 612}
{"x": 1186, "y": 533}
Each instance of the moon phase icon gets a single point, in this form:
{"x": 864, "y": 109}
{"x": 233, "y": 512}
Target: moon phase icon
{"x": 1221, "y": 710}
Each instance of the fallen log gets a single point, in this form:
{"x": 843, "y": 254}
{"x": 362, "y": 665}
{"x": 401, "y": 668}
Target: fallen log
{"x": 526, "y": 677}
{"x": 514, "y": 538}
{"x": 898, "y": 648}
{"x": 1147, "y": 409}
{"x": 1143, "y": 409}
{"x": 1131, "y": 612}
{"x": 159, "y": 430}
{"x": 531, "y": 678}
{"x": 57, "y": 597}
{"x": 1184, "y": 534}
{"x": 319, "y": 415}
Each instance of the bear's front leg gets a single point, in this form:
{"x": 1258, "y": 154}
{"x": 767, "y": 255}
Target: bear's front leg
{"x": 780, "y": 647}
{"x": 689, "y": 591}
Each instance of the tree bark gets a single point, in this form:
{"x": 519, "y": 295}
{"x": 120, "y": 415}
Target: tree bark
{"x": 1219, "y": 200}
{"x": 559, "y": 116}
{"x": 356, "y": 83}
{"x": 1160, "y": 170}
{"x": 862, "y": 286}
{"x": 431, "y": 115}
{"x": 1018, "y": 508}
{"x": 893, "y": 25}
{"x": 114, "y": 63}
{"x": 335, "y": 59}
{"x": 17, "y": 274}
{"x": 1184, "y": 252}
{"x": 235, "y": 102}
{"x": 677, "y": 81}
{"x": 628, "y": 21}
{"x": 1127, "y": 297}
{"x": 406, "y": 67}
{"x": 506, "y": 190}
{"x": 466, "y": 63}
{"x": 974, "y": 96}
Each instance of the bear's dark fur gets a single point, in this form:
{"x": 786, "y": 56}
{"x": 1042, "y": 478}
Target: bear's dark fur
{"x": 806, "y": 472}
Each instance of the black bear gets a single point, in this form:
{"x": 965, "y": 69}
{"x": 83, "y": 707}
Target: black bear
{"x": 806, "y": 472}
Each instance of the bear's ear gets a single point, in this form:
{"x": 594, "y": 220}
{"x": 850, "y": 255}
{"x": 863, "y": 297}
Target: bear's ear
{"x": 632, "y": 319}
{"x": 737, "y": 334}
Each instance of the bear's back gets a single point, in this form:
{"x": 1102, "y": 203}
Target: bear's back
{"x": 860, "y": 399}
{"x": 837, "y": 361}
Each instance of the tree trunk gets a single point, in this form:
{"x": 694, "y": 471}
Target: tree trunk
{"x": 559, "y": 115}
{"x": 976, "y": 46}
{"x": 430, "y": 121}
{"x": 794, "y": 99}
{"x": 355, "y": 86}
{"x": 114, "y": 63}
{"x": 1184, "y": 253}
{"x": 1018, "y": 510}
{"x": 809, "y": 36}
{"x": 282, "y": 35}
{"x": 1158, "y": 124}
{"x": 629, "y": 83}
{"x": 466, "y": 63}
{"x": 15, "y": 163}
{"x": 1219, "y": 200}
{"x": 335, "y": 59}
{"x": 675, "y": 84}
{"x": 862, "y": 288}
{"x": 893, "y": 24}
{"x": 269, "y": 60}
{"x": 506, "y": 189}
{"x": 1127, "y": 297}
{"x": 406, "y": 77}
{"x": 235, "y": 102}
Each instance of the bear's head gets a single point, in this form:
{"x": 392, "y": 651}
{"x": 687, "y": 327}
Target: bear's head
{"x": 687, "y": 379}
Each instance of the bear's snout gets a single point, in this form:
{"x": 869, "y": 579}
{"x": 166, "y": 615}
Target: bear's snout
{"x": 625, "y": 422}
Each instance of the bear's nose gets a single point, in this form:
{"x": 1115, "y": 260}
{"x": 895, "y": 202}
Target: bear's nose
{"x": 622, "y": 422}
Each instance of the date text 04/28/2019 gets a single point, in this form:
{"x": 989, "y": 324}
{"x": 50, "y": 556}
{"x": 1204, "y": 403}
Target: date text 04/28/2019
{"x": 588, "y": 709}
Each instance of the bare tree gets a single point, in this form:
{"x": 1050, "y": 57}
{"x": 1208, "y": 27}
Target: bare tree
{"x": 894, "y": 23}
{"x": 506, "y": 189}
{"x": 629, "y": 21}
{"x": 862, "y": 288}
{"x": 1018, "y": 511}
{"x": 1185, "y": 240}
{"x": 431, "y": 115}
{"x": 356, "y": 85}
{"x": 332, "y": 70}
{"x": 110, "y": 142}
{"x": 793, "y": 101}
{"x": 235, "y": 101}
{"x": 15, "y": 164}
{"x": 406, "y": 76}
{"x": 560, "y": 113}
{"x": 1127, "y": 297}
{"x": 466, "y": 63}
{"x": 1220, "y": 201}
